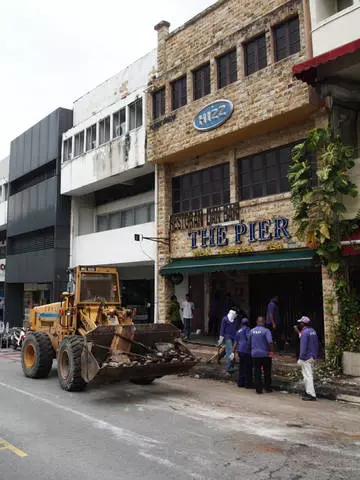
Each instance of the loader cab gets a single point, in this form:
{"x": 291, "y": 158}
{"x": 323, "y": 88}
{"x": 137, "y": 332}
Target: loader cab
{"x": 97, "y": 284}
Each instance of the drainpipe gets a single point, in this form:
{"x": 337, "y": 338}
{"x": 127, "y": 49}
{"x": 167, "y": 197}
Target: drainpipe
{"x": 307, "y": 26}
{"x": 156, "y": 256}
{"x": 71, "y": 232}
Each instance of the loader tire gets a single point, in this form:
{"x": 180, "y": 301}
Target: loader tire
{"x": 142, "y": 381}
{"x": 69, "y": 364}
{"x": 37, "y": 355}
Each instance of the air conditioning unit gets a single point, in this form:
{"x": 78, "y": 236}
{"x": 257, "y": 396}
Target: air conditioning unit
{"x": 120, "y": 129}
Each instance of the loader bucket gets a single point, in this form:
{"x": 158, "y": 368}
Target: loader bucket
{"x": 127, "y": 352}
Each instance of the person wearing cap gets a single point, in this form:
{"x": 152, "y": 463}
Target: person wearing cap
{"x": 261, "y": 347}
{"x": 242, "y": 346}
{"x": 309, "y": 346}
{"x": 227, "y": 333}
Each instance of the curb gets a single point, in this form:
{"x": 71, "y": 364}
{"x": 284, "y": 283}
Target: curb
{"x": 280, "y": 383}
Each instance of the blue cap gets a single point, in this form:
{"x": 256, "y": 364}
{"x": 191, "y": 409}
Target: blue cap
{"x": 245, "y": 320}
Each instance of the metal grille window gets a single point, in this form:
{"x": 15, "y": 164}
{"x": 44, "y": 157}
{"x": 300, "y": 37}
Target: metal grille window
{"x": 227, "y": 68}
{"x": 67, "y": 149}
{"x": 79, "y": 143}
{"x": 158, "y": 103}
{"x": 135, "y": 114}
{"x": 178, "y": 93}
{"x": 126, "y": 218}
{"x": 31, "y": 242}
{"x": 206, "y": 188}
{"x": 201, "y": 80}
{"x": 91, "y": 137}
{"x": 119, "y": 119}
{"x": 264, "y": 173}
{"x": 255, "y": 55}
{"x": 287, "y": 39}
{"x": 104, "y": 130}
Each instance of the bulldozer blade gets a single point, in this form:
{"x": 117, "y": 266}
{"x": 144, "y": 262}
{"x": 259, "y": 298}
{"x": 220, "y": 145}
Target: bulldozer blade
{"x": 127, "y": 372}
{"x": 89, "y": 365}
{"x": 151, "y": 333}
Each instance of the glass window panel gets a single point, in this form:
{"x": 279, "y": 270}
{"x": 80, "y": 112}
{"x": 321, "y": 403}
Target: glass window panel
{"x": 115, "y": 220}
{"x": 271, "y": 187}
{"x": 119, "y": 122}
{"x": 127, "y": 218}
{"x": 195, "y": 204}
{"x": 102, "y": 223}
{"x": 151, "y": 208}
{"x": 141, "y": 214}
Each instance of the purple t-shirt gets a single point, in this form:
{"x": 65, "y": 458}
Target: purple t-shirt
{"x": 309, "y": 344}
{"x": 274, "y": 309}
{"x": 228, "y": 329}
{"x": 260, "y": 339}
{"x": 242, "y": 339}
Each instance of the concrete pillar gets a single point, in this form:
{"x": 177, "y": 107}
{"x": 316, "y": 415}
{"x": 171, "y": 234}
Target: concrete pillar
{"x": 331, "y": 306}
{"x": 162, "y": 29}
{"x": 164, "y": 191}
{"x": 14, "y": 304}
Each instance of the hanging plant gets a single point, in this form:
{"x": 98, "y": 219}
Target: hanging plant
{"x": 319, "y": 180}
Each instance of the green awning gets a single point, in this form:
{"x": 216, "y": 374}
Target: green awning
{"x": 255, "y": 261}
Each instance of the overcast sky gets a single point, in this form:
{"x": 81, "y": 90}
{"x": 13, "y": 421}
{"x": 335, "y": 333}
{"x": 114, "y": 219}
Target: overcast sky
{"x": 54, "y": 51}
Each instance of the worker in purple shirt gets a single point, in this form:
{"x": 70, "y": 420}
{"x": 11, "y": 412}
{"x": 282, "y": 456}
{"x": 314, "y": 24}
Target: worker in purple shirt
{"x": 273, "y": 320}
{"x": 227, "y": 333}
{"x": 261, "y": 346}
{"x": 242, "y": 346}
{"x": 309, "y": 346}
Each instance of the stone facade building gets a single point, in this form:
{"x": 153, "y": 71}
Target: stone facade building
{"x": 225, "y": 112}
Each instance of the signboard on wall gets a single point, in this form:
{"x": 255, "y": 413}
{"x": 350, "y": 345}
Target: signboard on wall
{"x": 213, "y": 115}
{"x": 2, "y": 269}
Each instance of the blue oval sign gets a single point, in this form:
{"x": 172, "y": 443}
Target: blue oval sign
{"x": 213, "y": 115}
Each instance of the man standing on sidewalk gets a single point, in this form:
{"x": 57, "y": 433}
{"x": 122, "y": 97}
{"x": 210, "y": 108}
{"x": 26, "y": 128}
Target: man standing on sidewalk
{"x": 242, "y": 346}
{"x": 228, "y": 332}
{"x": 261, "y": 346}
{"x": 273, "y": 321}
{"x": 309, "y": 346}
{"x": 187, "y": 308}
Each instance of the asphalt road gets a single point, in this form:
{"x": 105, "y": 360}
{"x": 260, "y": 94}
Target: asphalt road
{"x": 178, "y": 428}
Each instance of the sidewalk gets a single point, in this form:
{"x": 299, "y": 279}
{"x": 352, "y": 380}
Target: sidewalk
{"x": 342, "y": 388}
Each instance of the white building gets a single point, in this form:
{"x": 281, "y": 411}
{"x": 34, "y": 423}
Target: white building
{"x": 105, "y": 172}
{"x": 334, "y": 23}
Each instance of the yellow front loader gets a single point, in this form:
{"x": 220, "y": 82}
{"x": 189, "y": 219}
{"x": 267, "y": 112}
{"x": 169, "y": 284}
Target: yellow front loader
{"x": 92, "y": 336}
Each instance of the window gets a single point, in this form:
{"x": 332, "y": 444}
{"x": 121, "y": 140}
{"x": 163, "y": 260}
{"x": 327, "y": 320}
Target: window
{"x": 126, "y": 218}
{"x": 201, "y": 79}
{"x": 79, "y": 144}
{"x": 264, "y": 173}
{"x": 178, "y": 93}
{"x": 90, "y": 137}
{"x": 227, "y": 68}
{"x": 104, "y": 130}
{"x": 342, "y": 4}
{"x": 67, "y": 149}
{"x": 255, "y": 55}
{"x": 159, "y": 103}
{"x": 119, "y": 119}
{"x": 135, "y": 114}
{"x": 287, "y": 39}
{"x": 206, "y": 188}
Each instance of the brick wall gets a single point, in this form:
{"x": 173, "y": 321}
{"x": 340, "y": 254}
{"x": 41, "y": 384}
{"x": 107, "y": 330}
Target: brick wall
{"x": 258, "y": 98}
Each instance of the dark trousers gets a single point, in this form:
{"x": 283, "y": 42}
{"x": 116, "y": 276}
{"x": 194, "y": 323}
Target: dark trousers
{"x": 265, "y": 364}
{"x": 277, "y": 336}
{"x": 187, "y": 327}
{"x": 245, "y": 370}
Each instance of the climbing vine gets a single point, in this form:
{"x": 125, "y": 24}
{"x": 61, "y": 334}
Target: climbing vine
{"x": 319, "y": 182}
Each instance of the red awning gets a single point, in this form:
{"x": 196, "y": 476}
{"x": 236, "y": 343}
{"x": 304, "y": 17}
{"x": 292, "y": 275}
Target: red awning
{"x": 351, "y": 245}
{"x": 306, "y": 71}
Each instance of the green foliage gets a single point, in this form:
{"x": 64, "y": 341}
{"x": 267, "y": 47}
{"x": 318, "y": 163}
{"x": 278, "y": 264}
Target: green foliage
{"x": 319, "y": 180}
